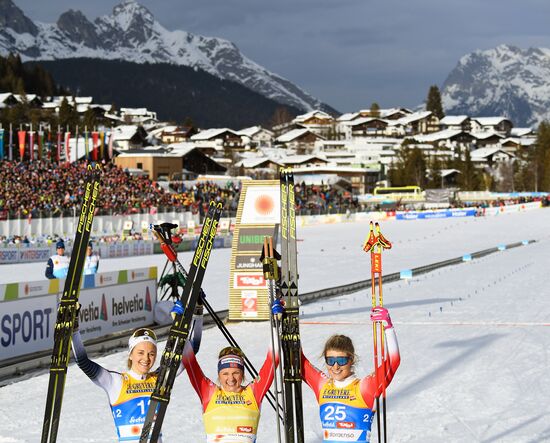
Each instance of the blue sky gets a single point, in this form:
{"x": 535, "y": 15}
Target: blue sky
{"x": 348, "y": 53}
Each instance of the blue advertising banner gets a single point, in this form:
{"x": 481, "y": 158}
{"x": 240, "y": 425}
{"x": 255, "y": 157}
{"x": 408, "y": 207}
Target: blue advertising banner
{"x": 443, "y": 213}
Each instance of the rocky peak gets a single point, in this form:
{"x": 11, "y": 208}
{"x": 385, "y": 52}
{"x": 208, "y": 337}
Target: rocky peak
{"x": 12, "y": 17}
{"x": 78, "y": 28}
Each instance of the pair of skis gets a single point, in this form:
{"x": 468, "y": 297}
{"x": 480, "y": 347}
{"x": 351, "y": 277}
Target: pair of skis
{"x": 290, "y": 327}
{"x": 375, "y": 244}
{"x": 68, "y": 306}
{"x": 177, "y": 337}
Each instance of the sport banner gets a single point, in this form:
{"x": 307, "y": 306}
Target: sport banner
{"x": 110, "y": 302}
{"x": 258, "y": 216}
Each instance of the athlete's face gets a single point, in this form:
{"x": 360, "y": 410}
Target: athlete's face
{"x": 336, "y": 371}
{"x": 143, "y": 357}
{"x": 231, "y": 379}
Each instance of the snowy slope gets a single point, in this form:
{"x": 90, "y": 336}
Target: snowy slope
{"x": 503, "y": 81}
{"x": 337, "y": 251}
{"x": 131, "y": 33}
{"x": 474, "y": 348}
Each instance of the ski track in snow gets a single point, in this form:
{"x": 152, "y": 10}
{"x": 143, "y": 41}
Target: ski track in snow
{"x": 474, "y": 353}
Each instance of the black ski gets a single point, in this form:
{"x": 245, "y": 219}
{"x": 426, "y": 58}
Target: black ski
{"x": 290, "y": 328}
{"x": 179, "y": 332}
{"x": 67, "y": 308}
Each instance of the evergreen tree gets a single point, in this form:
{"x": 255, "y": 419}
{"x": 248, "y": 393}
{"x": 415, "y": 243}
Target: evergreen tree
{"x": 375, "y": 110}
{"x": 410, "y": 168}
{"x": 541, "y": 157}
{"x": 469, "y": 177}
{"x": 433, "y": 102}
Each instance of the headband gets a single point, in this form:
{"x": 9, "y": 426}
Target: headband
{"x": 230, "y": 361}
{"x": 136, "y": 340}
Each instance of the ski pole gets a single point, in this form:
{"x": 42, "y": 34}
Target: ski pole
{"x": 383, "y": 243}
{"x": 270, "y": 274}
{"x": 171, "y": 254}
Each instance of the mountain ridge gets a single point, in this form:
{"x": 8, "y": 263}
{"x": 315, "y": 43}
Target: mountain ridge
{"x": 505, "y": 80}
{"x": 131, "y": 33}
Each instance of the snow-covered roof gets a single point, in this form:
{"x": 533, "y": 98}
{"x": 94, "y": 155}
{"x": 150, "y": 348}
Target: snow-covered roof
{"x": 485, "y": 135}
{"x": 483, "y": 153}
{"x": 390, "y": 111}
{"x": 299, "y": 159}
{"x": 255, "y": 162}
{"x": 5, "y": 95}
{"x": 348, "y": 116}
{"x": 446, "y": 172}
{"x": 452, "y": 120}
{"x": 414, "y": 117}
{"x": 83, "y": 100}
{"x": 311, "y": 114}
{"x": 318, "y": 179}
{"x": 523, "y": 141}
{"x": 252, "y": 131}
{"x": 124, "y": 132}
{"x": 490, "y": 121}
{"x": 331, "y": 169}
{"x": 209, "y": 134}
{"x": 293, "y": 135}
{"x": 181, "y": 148}
{"x": 520, "y": 132}
{"x": 135, "y": 111}
{"x": 446, "y": 134}
{"x": 360, "y": 121}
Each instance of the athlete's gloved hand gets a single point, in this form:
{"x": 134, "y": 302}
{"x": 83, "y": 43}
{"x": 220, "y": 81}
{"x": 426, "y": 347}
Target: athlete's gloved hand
{"x": 177, "y": 309}
{"x": 199, "y": 307}
{"x": 381, "y": 314}
{"x": 76, "y": 323}
{"x": 278, "y": 308}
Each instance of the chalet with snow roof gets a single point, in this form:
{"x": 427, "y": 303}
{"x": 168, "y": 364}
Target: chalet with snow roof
{"x": 33, "y": 100}
{"x": 224, "y": 139}
{"x": 387, "y": 114}
{"x": 522, "y": 132}
{"x": 168, "y": 162}
{"x": 420, "y": 123}
{"x": 489, "y": 138}
{"x": 448, "y": 137}
{"x": 259, "y": 168}
{"x": 362, "y": 179}
{"x": 318, "y": 122}
{"x": 456, "y": 123}
{"x": 367, "y": 127}
{"x": 300, "y": 140}
{"x": 127, "y": 137}
{"x": 492, "y": 124}
{"x": 7, "y": 100}
{"x": 256, "y": 137}
{"x": 176, "y": 134}
{"x": 489, "y": 156}
{"x": 303, "y": 160}
{"x": 138, "y": 115}
{"x": 515, "y": 144}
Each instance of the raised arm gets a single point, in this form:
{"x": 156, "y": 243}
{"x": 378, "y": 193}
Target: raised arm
{"x": 373, "y": 385}
{"x": 314, "y": 377}
{"x": 109, "y": 381}
{"x": 202, "y": 384}
{"x": 263, "y": 382}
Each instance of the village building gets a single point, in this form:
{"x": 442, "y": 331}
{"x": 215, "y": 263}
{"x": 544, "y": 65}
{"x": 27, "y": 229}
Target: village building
{"x": 168, "y": 162}
{"x": 492, "y": 124}
{"x": 300, "y": 140}
{"x": 256, "y": 137}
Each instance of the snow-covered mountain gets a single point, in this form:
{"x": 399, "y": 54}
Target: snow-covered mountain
{"x": 131, "y": 33}
{"x": 506, "y": 81}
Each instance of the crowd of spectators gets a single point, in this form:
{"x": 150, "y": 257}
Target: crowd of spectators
{"x": 324, "y": 199}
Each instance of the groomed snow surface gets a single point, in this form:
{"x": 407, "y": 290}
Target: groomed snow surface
{"x": 474, "y": 337}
